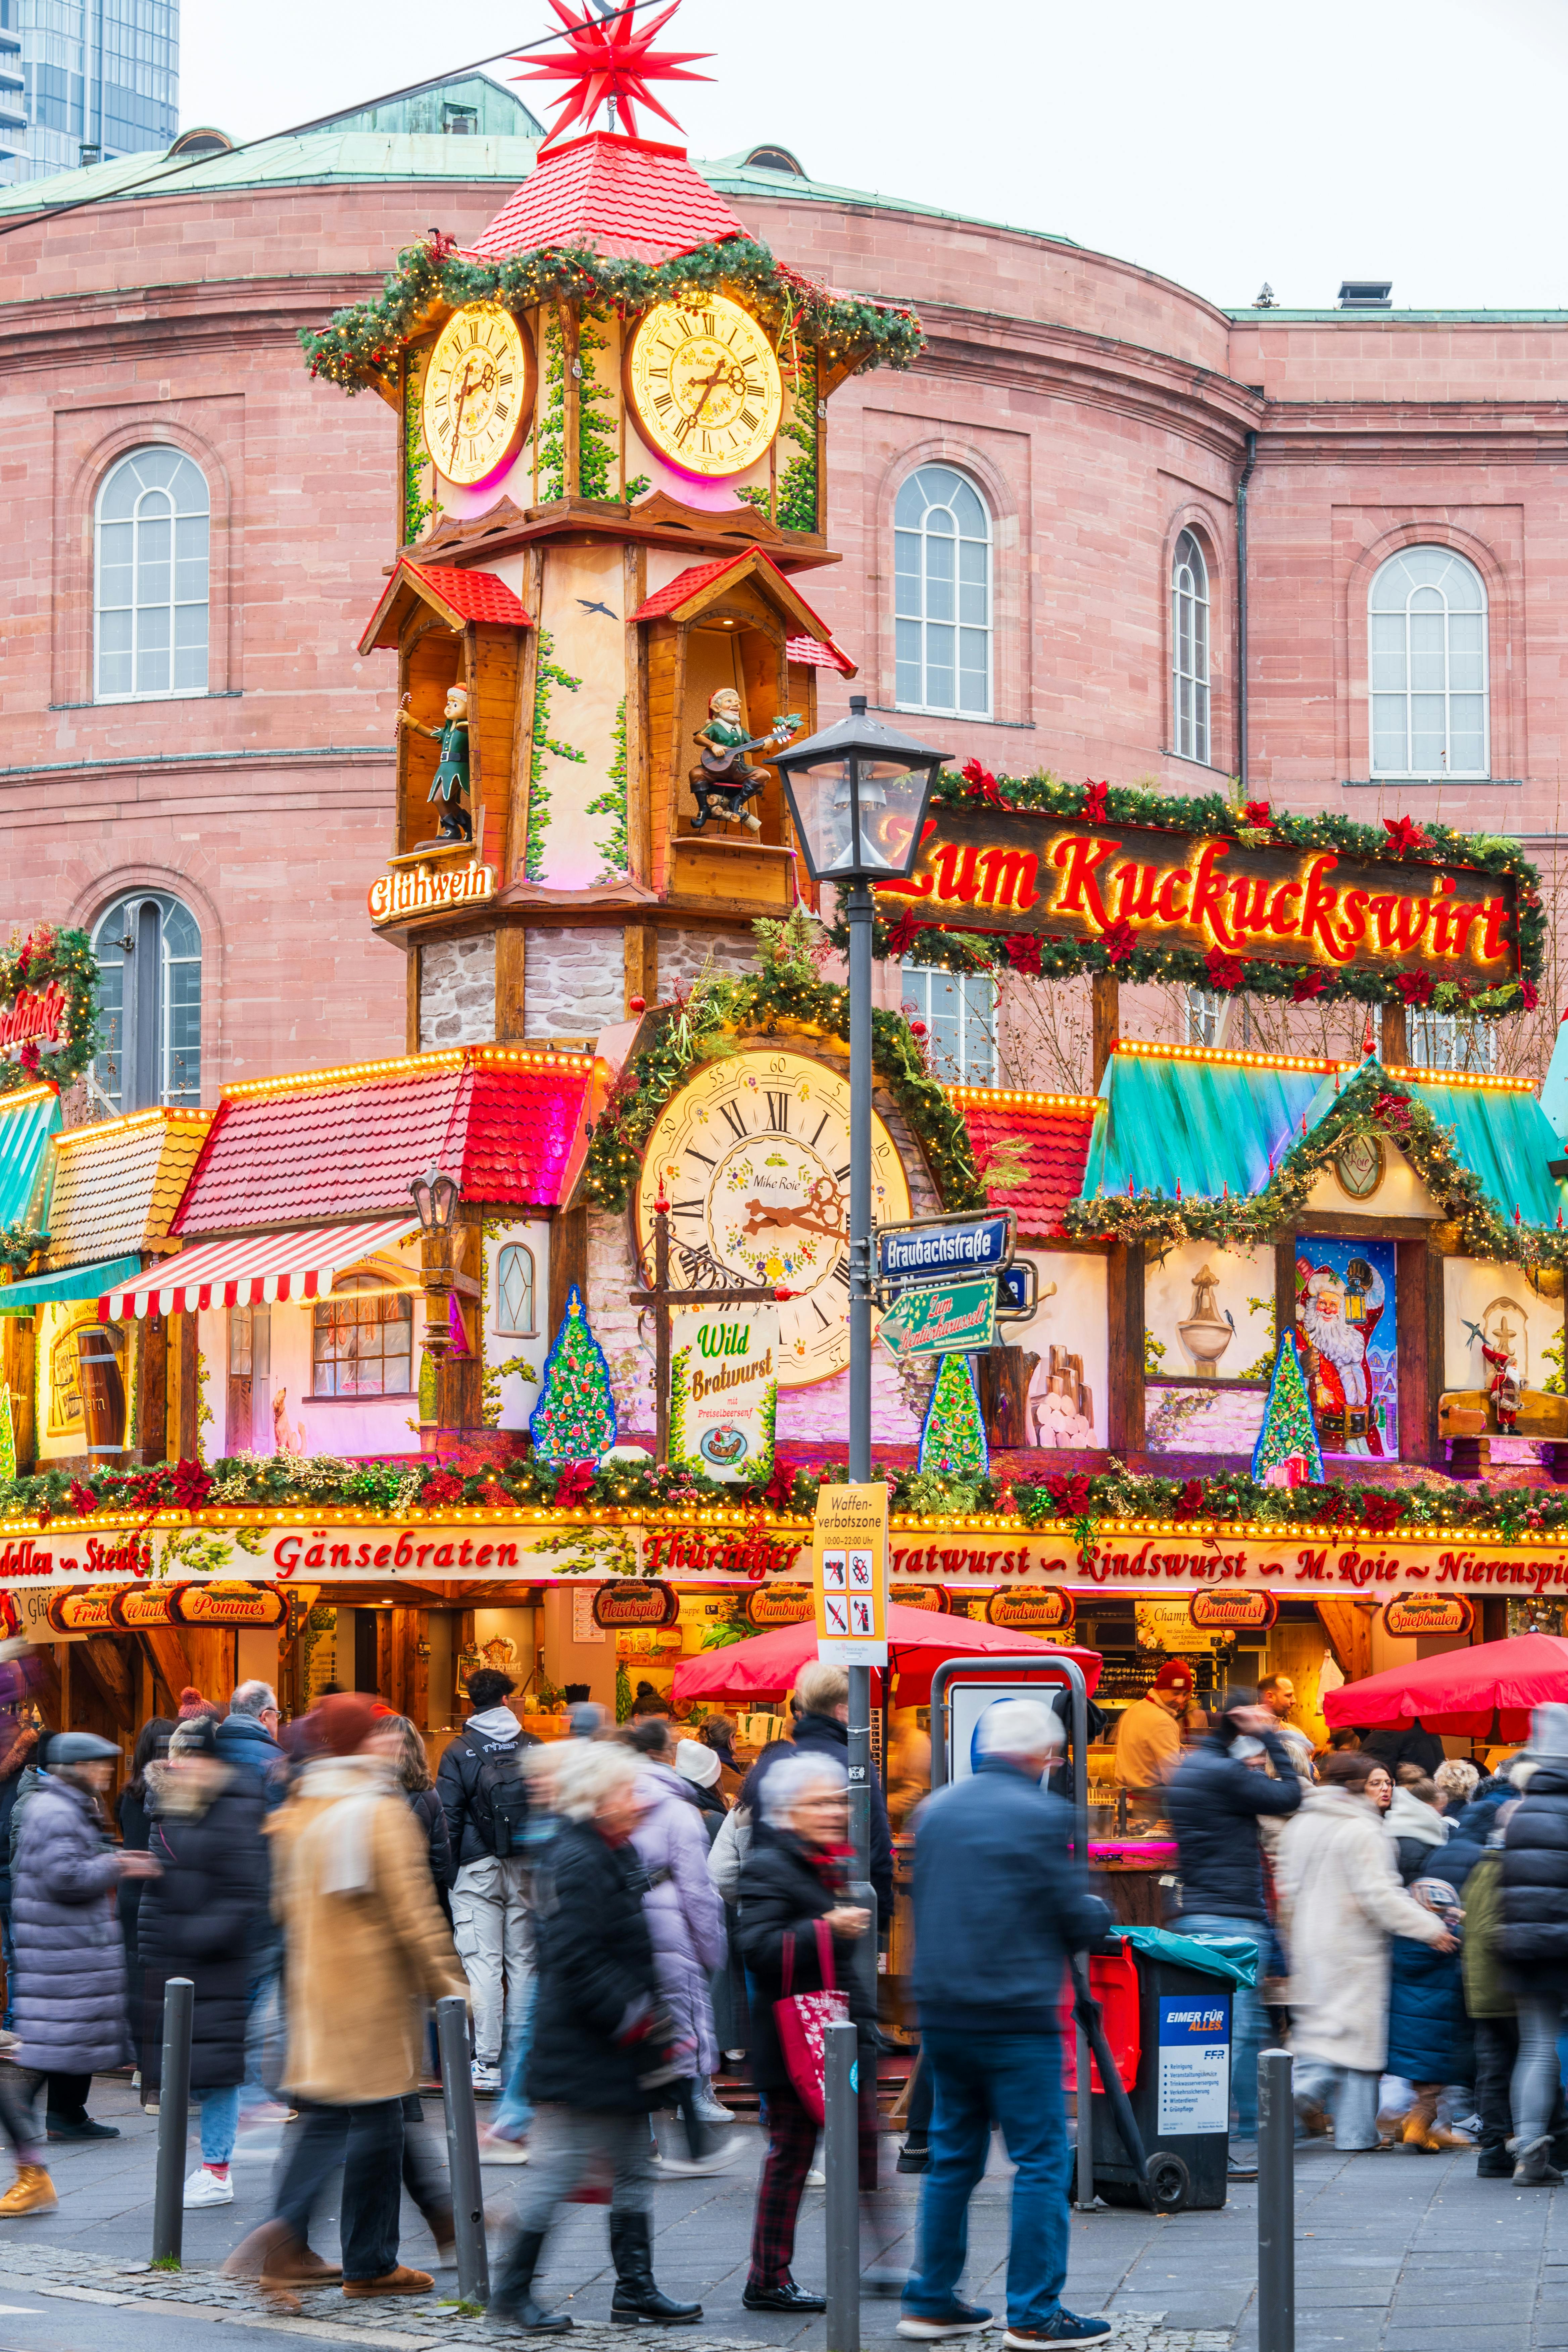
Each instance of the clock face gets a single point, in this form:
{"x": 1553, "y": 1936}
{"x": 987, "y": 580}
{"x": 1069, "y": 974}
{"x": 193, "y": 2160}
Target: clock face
{"x": 754, "y": 1155}
{"x": 479, "y": 392}
{"x": 704, "y": 385}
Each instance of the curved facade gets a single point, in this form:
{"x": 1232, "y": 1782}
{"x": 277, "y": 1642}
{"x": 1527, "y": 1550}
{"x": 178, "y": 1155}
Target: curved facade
{"x": 1101, "y": 420}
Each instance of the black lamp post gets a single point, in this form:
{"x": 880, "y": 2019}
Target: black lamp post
{"x": 857, "y": 796}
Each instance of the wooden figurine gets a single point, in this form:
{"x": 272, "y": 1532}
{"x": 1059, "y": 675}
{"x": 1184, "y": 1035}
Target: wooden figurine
{"x": 723, "y": 784}
{"x": 450, "y": 786}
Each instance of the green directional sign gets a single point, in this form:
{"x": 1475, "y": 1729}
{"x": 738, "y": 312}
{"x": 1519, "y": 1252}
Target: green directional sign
{"x": 943, "y": 1318}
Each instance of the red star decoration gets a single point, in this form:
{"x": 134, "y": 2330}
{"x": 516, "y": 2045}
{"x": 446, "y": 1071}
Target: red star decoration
{"x": 611, "y": 58}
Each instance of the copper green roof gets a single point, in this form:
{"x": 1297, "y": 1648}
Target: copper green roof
{"x": 1500, "y": 1134}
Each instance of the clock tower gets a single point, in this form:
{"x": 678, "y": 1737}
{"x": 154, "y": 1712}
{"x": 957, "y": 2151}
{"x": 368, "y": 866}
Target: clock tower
{"x": 612, "y": 412}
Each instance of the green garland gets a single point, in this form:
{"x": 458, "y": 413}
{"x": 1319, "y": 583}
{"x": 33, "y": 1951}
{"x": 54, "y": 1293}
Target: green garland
{"x": 785, "y": 991}
{"x": 547, "y": 673}
{"x": 361, "y": 344}
{"x": 1370, "y": 1104}
{"x": 49, "y": 958}
{"x": 615, "y": 850}
{"x": 289, "y": 1482}
{"x": 914, "y": 937}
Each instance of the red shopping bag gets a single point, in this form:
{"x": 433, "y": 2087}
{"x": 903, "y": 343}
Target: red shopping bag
{"x": 801, "y": 2017}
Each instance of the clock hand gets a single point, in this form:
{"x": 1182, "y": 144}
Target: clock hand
{"x": 691, "y": 422}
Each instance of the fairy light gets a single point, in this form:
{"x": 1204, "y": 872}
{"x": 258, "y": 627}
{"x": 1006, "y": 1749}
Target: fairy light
{"x": 1233, "y": 1057}
{"x": 453, "y": 1057}
{"x": 978, "y": 1097}
{"x": 1413, "y": 1077}
{"x": 129, "y": 1125}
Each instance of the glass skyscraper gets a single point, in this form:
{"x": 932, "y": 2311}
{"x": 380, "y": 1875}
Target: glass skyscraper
{"x": 84, "y": 80}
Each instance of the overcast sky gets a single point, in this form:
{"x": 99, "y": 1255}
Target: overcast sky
{"x": 1219, "y": 142}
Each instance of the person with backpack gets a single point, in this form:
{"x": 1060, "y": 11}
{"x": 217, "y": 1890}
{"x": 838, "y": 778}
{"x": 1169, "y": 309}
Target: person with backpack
{"x": 484, "y": 1793}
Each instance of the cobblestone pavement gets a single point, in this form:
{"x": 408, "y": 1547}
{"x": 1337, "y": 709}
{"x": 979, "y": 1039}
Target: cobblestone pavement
{"x": 1395, "y": 2254}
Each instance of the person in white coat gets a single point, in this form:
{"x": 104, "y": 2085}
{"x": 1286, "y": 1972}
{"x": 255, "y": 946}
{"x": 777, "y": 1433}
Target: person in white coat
{"x": 1340, "y": 1903}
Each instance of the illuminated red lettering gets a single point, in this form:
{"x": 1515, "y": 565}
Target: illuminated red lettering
{"x": 1318, "y": 912}
{"x": 1208, "y": 893}
{"x": 1081, "y": 858}
{"x": 1178, "y": 879}
{"x": 1283, "y": 916}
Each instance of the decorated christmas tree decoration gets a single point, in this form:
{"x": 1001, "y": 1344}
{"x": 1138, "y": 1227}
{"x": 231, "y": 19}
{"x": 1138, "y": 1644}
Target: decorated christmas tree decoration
{"x": 1286, "y": 1454}
{"x": 574, "y": 1420}
{"x": 7, "y": 1435}
{"x": 953, "y": 1436}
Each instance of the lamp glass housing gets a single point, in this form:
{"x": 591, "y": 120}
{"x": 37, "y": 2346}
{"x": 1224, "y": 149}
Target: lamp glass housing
{"x": 857, "y": 794}
{"x": 435, "y": 1198}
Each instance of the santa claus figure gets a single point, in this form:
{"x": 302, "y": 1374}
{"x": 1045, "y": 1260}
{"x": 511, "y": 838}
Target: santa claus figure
{"x": 1336, "y": 1316}
{"x": 1504, "y": 1388}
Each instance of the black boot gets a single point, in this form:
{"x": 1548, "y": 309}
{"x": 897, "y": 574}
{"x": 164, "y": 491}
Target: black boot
{"x": 637, "y": 2297}
{"x": 512, "y": 2303}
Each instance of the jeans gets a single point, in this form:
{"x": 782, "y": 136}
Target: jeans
{"x": 263, "y": 2018}
{"x": 513, "y": 2113}
{"x": 7, "y": 1953}
{"x": 1247, "y": 2023}
{"x": 367, "y": 2141}
{"x": 220, "y": 2122}
{"x": 489, "y": 1927}
{"x": 1349, "y": 2097}
{"x": 19, "y": 2088}
{"x": 1536, "y": 2077}
{"x": 1015, "y": 2078}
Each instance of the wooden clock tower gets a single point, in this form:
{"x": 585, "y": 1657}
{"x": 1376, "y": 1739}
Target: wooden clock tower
{"x": 613, "y": 420}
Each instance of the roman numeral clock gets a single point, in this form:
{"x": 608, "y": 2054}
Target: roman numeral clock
{"x": 704, "y": 386}
{"x": 753, "y": 1157}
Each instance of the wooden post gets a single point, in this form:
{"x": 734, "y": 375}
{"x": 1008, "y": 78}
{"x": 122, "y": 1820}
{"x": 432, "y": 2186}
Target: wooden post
{"x": 639, "y": 960}
{"x": 1395, "y": 1051}
{"x": 1418, "y": 1335}
{"x": 568, "y": 1263}
{"x": 571, "y": 401}
{"x": 1125, "y": 1321}
{"x": 1106, "y": 999}
{"x": 183, "y": 1395}
{"x": 1284, "y": 1284}
{"x": 459, "y": 1380}
{"x": 634, "y": 589}
{"x": 63, "y": 1668}
{"x": 20, "y": 1340}
{"x": 511, "y": 978}
{"x": 152, "y": 1388}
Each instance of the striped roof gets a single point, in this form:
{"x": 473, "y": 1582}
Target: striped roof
{"x": 28, "y": 1119}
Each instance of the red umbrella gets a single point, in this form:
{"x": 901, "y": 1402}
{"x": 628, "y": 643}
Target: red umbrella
{"x": 1460, "y": 1690}
{"x": 918, "y": 1642}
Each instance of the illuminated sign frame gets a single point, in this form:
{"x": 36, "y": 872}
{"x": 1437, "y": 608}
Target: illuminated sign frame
{"x": 1131, "y": 890}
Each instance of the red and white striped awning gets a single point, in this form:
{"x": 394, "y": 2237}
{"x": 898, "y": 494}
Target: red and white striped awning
{"x": 265, "y": 1267}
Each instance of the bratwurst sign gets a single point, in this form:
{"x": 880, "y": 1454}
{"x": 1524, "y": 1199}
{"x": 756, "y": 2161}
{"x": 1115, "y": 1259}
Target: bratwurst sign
{"x": 1130, "y": 887}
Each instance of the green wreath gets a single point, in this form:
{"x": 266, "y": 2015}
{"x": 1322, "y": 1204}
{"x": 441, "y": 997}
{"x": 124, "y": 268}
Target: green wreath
{"x": 48, "y": 959}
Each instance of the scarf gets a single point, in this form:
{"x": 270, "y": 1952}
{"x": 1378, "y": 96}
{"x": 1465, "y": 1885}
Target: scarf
{"x": 334, "y": 1851}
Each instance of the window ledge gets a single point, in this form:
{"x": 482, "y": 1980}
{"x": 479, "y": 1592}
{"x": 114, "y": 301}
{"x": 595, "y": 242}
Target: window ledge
{"x": 180, "y": 694}
{"x": 379, "y": 1396}
{"x": 1423, "y": 783}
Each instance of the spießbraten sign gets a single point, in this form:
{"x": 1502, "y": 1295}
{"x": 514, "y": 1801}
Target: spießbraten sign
{"x": 1063, "y": 879}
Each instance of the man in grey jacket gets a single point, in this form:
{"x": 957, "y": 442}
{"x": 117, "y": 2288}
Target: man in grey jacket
{"x": 70, "y": 2006}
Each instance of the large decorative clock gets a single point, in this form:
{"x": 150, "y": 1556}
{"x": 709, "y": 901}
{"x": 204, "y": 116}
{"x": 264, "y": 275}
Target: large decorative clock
{"x": 753, "y": 1157}
{"x": 479, "y": 392}
{"x": 704, "y": 386}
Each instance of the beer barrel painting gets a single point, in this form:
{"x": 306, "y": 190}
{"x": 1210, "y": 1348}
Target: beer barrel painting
{"x": 102, "y": 1387}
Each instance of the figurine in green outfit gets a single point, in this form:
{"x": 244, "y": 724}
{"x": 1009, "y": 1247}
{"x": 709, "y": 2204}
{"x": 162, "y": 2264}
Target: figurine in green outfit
{"x": 450, "y": 786}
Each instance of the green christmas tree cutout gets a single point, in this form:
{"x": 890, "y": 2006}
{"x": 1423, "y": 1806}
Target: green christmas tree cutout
{"x": 1288, "y": 1441}
{"x": 574, "y": 1420}
{"x": 953, "y": 1436}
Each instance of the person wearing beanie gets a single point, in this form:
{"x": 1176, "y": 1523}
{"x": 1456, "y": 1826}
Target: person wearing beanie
{"x": 70, "y": 1960}
{"x": 1216, "y": 1801}
{"x": 192, "y": 1704}
{"x": 1534, "y": 1941}
{"x": 198, "y": 1919}
{"x": 367, "y": 1951}
{"x": 1148, "y": 1741}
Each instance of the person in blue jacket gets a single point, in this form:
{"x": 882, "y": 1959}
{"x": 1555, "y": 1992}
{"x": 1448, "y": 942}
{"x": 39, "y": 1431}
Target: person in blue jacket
{"x": 999, "y": 1901}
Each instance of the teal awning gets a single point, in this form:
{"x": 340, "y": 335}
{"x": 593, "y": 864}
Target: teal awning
{"x": 26, "y": 1127}
{"x": 1206, "y": 1126}
{"x": 66, "y": 1289}
{"x": 1502, "y": 1136}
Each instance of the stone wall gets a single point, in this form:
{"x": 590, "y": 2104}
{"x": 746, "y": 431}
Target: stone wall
{"x": 574, "y": 983}
{"x": 681, "y": 955}
{"x": 457, "y": 992}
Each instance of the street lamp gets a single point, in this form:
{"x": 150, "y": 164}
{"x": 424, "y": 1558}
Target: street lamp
{"x": 435, "y": 1198}
{"x": 858, "y": 796}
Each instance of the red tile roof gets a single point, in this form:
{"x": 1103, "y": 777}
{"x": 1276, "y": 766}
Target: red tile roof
{"x": 345, "y": 1143}
{"x": 690, "y": 583}
{"x": 813, "y": 653}
{"x": 477, "y": 595}
{"x": 633, "y": 197}
{"x": 1054, "y": 1131}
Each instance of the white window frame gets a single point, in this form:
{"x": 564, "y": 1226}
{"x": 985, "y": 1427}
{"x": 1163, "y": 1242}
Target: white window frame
{"x": 1190, "y": 683}
{"x": 511, "y": 1330}
{"x": 127, "y": 909}
{"x": 1375, "y": 694}
{"x": 1447, "y": 1041}
{"x": 1205, "y": 1021}
{"x": 922, "y": 620}
{"x": 174, "y": 605}
{"x": 977, "y": 998}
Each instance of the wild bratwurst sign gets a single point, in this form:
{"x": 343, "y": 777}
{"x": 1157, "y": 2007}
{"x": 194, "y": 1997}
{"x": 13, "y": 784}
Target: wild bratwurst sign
{"x": 1127, "y": 886}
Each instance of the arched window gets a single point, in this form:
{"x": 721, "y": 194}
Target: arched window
{"x": 150, "y": 579}
{"x": 362, "y": 1340}
{"x": 149, "y": 952}
{"x": 1190, "y": 649}
{"x": 942, "y": 550}
{"x": 514, "y": 1293}
{"x": 1427, "y": 644}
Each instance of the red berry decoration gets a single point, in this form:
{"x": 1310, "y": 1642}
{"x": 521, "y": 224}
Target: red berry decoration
{"x": 917, "y": 1029}
{"x": 637, "y": 1004}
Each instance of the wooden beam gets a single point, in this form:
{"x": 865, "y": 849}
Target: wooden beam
{"x": 152, "y": 1388}
{"x": 109, "y": 1661}
{"x": 166, "y": 1648}
{"x": 1105, "y": 1000}
{"x": 568, "y": 1262}
{"x": 1395, "y": 1051}
{"x": 20, "y": 1363}
{"x": 512, "y": 984}
{"x": 1125, "y": 1325}
{"x": 1348, "y": 1625}
{"x": 212, "y": 1651}
{"x": 639, "y": 846}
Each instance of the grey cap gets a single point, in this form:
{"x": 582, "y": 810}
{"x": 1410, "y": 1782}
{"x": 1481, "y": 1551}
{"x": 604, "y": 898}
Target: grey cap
{"x": 81, "y": 1747}
{"x": 1549, "y": 1732}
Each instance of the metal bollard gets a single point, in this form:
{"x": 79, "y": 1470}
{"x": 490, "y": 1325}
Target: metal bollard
{"x": 463, "y": 2149}
{"x": 841, "y": 2135}
{"x": 1276, "y": 2202}
{"x": 173, "y": 2121}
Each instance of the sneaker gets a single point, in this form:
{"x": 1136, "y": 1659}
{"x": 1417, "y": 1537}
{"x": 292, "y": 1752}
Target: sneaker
{"x": 697, "y": 2167}
{"x": 1062, "y": 2328}
{"x": 205, "y": 2187}
{"x": 958, "y": 2319}
{"x": 486, "y": 2080}
{"x": 707, "y": 2107}
{"x": 816, "y": 2178}
{"x": 1241, "y": 2160}
{"x": 495, "y": 2148}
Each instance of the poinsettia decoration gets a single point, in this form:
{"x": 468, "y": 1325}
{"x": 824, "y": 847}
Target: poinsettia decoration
{"x": 46, "y": 961}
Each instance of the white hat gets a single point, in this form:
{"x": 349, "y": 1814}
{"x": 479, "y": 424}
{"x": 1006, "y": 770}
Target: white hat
{"x": 696, "y": 1761}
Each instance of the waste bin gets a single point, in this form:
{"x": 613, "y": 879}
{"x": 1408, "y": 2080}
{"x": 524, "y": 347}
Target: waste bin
{"x": 1167, "y": 2006}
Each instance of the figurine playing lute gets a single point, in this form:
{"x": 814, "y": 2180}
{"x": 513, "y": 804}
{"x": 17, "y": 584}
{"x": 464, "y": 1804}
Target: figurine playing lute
{"x": 724, "y": 783}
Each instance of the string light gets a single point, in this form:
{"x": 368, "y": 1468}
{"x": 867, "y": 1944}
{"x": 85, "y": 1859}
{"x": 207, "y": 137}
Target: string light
{"x": 163, "y": 1116}
{"x": 452, "y": 1057}
{"x": 977, "y": 1098}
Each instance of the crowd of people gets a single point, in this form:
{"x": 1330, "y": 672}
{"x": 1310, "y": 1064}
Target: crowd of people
{"x": 625, "y": 1910}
